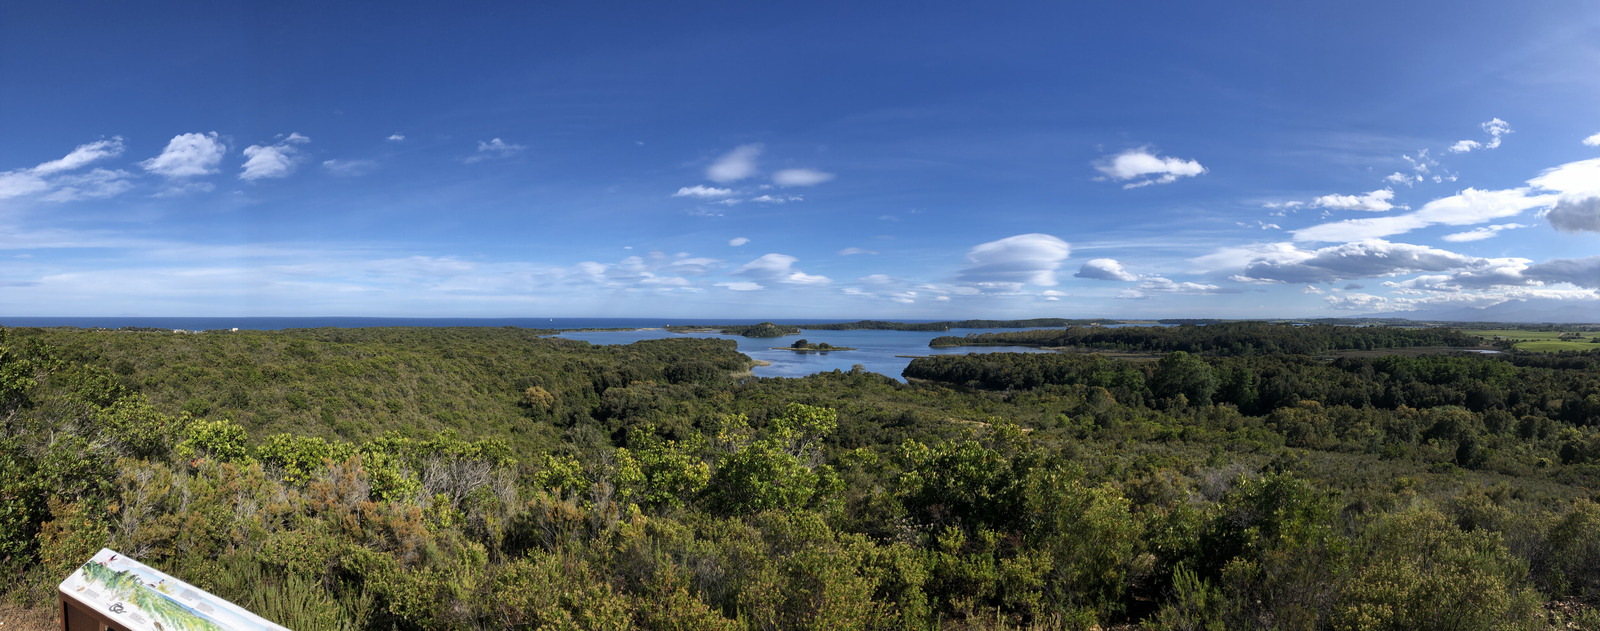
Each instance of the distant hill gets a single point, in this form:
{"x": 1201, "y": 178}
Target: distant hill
{"x": 1522, "y": 310}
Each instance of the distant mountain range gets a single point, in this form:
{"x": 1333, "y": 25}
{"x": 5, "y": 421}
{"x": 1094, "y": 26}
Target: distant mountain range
{"x": 1522, "y": 310}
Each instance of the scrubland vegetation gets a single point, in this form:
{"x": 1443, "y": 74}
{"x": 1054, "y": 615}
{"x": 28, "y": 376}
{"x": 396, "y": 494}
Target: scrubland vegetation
{"x": 490, "y": 478}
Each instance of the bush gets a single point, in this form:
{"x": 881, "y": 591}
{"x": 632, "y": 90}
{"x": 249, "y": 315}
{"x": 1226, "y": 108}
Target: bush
{"x": 1422, "y": 572}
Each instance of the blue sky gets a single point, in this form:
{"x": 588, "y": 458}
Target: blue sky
{"x": 850, "y": 160}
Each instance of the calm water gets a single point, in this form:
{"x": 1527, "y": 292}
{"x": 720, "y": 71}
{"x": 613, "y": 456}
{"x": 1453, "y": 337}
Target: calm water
{"x": 878, "y": 351}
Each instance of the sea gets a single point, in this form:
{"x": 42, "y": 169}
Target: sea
{"x": 884, "y": 352}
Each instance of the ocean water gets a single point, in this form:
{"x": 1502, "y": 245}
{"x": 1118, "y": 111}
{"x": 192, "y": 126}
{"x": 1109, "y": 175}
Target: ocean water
{"x": 882, "y": 352}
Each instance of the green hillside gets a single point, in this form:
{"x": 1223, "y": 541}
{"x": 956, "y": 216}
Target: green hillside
{"x": 491, "y": 478}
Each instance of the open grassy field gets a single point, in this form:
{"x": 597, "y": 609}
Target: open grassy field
{"x": 1542, "y": 341}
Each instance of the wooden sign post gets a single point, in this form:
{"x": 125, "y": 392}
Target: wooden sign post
{"x": 111, "y": 592}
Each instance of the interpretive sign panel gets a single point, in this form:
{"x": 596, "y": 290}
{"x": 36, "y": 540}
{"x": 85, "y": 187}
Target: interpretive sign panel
{"x": 112, "y": 591}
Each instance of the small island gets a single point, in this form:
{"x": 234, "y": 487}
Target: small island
{"x": 803, "y": 346}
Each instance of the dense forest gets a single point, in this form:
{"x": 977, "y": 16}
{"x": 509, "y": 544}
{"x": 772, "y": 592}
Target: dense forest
{"x": 404, "y": 478}
{"x": 946, "y": 325}
{"x": 1229, "y": 338}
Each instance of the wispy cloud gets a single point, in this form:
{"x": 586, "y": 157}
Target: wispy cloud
{"x": 96, "y": 184}
{"x": 20, "y": 183}
{"x": 852, "y": 251}
{"x": 779, "y": 268}
{"x": 54, "y": 177}
{"x": 349, "y": 168}
{"x": 800, "y": 177}
{"x": 1144, "y": 168}
{"x": 1159, "y": 285}
{"x": 1565, "y": 186}
{"x": 82, "y": 156}
{"x": 734, "y": 165}
{"x": 397, "y": 137}
{"x": 494, "y": 149}
{"x": 1375, "y": 201}
{"x": 703, "y": 192}
{"x": 741, "y": 285}
{"x": 1479, "y": 234}
{"x": 1465, "y": 208}
{"x": 738, "y": 241}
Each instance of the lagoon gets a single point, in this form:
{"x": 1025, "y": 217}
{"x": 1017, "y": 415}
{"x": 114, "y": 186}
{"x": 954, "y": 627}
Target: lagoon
{"x": 882, "y": 352}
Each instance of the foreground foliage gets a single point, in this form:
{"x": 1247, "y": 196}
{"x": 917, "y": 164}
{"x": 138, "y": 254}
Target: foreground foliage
{"x": 651, "y": 486}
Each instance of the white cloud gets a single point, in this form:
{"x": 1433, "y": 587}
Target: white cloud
{"x": 1014, "y": 261}
{"x": 1572, "y": 180}
{"x": 1465, "y": 208}
{"x": 397, "y": 137}
{"x": 900, "y": 290}
{"x": 1236, "y": 257}
{"x": 1140, "y": 164}
{"x": 180, "y": 188}
{"x": 1362, "y": 259}
{"x": 734, "y": 165}
{"x": 272, "y": 161}
{"x": 19, "y": 183}
{"x": 779, "y": 268}
{"x": 188, "y": 155}
{"x": 703, "y": 192}
{"x": 96, "y": 184}
{"x": 1592, "y": 141}
{"x": 738, "y": 241}
{"x": 784, "y": 199}
{"x": 1158, "y": 285}
{"x": 801, "y": 278}
{"x": 854, "y": 251}
{"x": 1500, "y": 274}
{"x": 494, "y": 148}
{"x": 1479, "y": 234}
{"x": 1576, "y": 215}
{"x": 1402, "y": 178}
{"x": 1375, "y": 201}
{"x": 742, "y": 286}
{"x": 1495, "y": 128}
{"x": 1104, "y": 269}
{"x": 349, "y": 168}
{"x": 800, "y": 177}
{"x": 267, "y": 162}
{"x": 82, "y": 156}
{"x": 1359, "y": 302}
